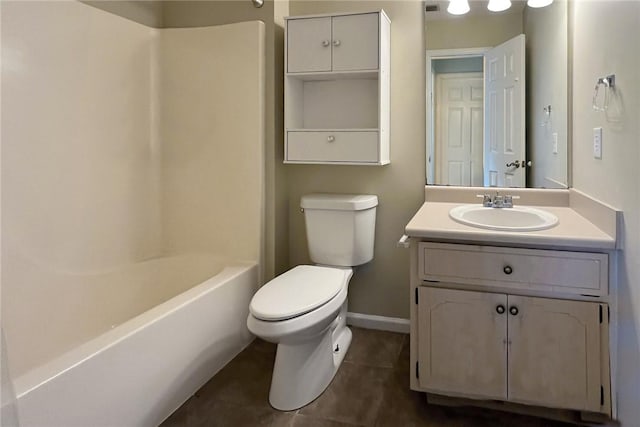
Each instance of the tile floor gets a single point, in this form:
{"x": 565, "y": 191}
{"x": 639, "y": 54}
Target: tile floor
{"x": 370, "y": 389}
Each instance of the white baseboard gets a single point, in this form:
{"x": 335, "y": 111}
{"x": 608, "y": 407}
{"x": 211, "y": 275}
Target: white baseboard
{"x": 380, "y": 323}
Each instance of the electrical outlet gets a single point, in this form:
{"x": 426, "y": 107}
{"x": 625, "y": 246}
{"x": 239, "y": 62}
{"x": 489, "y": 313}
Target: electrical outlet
{"x": 554, "y": 142}
{"x": 597, "y": 143}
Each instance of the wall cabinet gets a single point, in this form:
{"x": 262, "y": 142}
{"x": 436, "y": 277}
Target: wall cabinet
{"x": 337, "y": 84}
{"x": 526, "y": 326}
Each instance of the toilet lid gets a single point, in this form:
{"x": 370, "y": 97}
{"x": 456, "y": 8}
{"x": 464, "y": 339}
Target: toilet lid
{"x": 296, "y": 292}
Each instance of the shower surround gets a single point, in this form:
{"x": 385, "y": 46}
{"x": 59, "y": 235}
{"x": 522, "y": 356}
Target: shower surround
{"x": 132, "y": 186}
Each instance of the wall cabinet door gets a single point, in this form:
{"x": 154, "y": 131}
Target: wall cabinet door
{"x": 462, "y": 342}
{"x": 338, "y": 43}
{"x": 309, "y": 45}
{"x": 554, "y": 353}
{"x": 355, "y": 42}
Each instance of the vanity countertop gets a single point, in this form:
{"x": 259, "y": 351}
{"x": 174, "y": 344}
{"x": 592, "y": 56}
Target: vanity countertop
{"x": 573, "y": 231}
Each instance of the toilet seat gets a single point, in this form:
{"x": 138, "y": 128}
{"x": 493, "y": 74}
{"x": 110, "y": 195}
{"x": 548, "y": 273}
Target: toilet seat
{"x": 298, "y": 291}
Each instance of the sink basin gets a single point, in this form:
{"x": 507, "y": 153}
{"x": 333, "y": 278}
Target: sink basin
{"x": 518, "y": 218}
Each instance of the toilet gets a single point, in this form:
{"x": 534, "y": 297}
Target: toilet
{"x": 304, "y": 310}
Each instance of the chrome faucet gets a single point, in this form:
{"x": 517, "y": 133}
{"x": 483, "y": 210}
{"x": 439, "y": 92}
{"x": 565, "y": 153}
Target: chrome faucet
{"x": 486, "y": 200}
{"x": 508, "y": 202}
{"x": 498, "y": 201}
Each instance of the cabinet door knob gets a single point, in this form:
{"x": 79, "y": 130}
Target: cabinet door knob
{"x": 507, "y": 269}
{"x": 336, "y": 42}
{"x": 326, "y": 43}
{"x": 513, "y": 310}
{"x": 331, "y": 138}
{"x": 500, "y": 309}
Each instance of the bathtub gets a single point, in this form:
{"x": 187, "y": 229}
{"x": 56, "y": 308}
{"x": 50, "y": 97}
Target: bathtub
{"x": 168, "y": 336}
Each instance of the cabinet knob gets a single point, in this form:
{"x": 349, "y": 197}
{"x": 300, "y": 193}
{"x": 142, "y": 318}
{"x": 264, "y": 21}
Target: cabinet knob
{"x": 507, "y": 269}
{"x": 336, "y": 42}
{"x": 326, "y": 43}
{"x": 500, "y": 309}
{"x": 331, "y": 138}
{"x": 513, "y": 310}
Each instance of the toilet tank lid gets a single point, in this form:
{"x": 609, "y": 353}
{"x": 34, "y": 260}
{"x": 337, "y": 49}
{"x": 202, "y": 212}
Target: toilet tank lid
{"x": 341, "y": 202}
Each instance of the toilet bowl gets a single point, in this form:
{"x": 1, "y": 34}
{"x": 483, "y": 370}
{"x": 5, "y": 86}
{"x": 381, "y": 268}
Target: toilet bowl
{"x": 304, "y": 309}
{"x": 311, "y": 345}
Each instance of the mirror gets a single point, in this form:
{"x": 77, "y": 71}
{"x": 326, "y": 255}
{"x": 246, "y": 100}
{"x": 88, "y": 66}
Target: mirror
{"x": 488, "y": 122}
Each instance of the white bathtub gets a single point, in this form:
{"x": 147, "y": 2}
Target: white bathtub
{"x": 170, "y": 337}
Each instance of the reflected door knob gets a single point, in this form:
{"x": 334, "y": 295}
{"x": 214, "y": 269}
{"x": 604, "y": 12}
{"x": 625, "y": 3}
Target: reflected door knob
{"x": 515, "y": 164}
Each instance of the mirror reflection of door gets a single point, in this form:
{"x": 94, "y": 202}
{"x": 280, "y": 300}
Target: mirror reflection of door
{"x": 504, "y": 160}
{"x": 459, "y": 116}
{"x": 478, "y": 115}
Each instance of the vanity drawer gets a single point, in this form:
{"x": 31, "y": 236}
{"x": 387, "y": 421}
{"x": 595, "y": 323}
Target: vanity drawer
{"x": 544, "y": 270}
{"x": 339, "y": 146}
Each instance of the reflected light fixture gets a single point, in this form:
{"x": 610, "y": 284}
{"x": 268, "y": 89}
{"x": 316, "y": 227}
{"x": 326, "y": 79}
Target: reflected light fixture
{"x": 458, "y": 7}
{"x": 539, "y": 3}
{"x": 500, "y": 5}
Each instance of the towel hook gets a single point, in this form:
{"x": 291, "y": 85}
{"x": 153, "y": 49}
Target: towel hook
{"x": 609, "y": 83}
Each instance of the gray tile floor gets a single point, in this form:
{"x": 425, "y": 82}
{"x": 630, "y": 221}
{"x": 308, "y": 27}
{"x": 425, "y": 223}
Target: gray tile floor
{"x": 370, "y": 389}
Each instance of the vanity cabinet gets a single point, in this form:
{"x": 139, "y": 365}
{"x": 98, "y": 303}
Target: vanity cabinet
{"x": 337, "y": 88}
{"x": 521, "y": 349}
{"x": 524, "y": 326}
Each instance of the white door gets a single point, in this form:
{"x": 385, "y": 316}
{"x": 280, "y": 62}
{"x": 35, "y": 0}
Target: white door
{"x": 459, "y": 124}
{"x": 504, "y": 128}
{"x": 355, "y": 42}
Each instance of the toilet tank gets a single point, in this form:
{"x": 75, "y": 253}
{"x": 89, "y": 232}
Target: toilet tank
{"x": 340, "y": 228}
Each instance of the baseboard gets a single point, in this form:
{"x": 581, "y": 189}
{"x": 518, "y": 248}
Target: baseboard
{"x": 380, "y": 323}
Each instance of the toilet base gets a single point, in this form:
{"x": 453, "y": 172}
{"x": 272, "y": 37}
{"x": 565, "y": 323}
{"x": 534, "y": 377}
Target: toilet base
{"x": 302, "y": 371}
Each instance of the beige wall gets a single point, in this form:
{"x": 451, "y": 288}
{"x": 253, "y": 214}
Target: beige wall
{"x": 184, "y": 13}
{"x": 80, "y": 182}
{"x": 380, "y": 287}
{"x": 472, "y": 31}
{"x": 212, "y": 138}
{"x": 606, "y": 36}
{"x": 546, "y": 47}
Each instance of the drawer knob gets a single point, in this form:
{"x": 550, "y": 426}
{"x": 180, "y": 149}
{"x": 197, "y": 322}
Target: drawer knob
{"x": 326, "y": 43}
{"x": 513, "y": 310}
{"x": 331, "y": 138}
{"x": 500, "y": 309}
{"x": 507, "y": 269}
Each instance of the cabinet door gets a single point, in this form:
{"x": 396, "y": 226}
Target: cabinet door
{"x": 462, "y": 342}
{"x": 308, "y": 45}
{"x": 355, "y": 42}
{"x": 554, "y": 353}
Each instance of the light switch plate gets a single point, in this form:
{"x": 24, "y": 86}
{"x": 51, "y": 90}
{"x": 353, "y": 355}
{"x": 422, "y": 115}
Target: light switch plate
{"x": 597, "y": 143}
